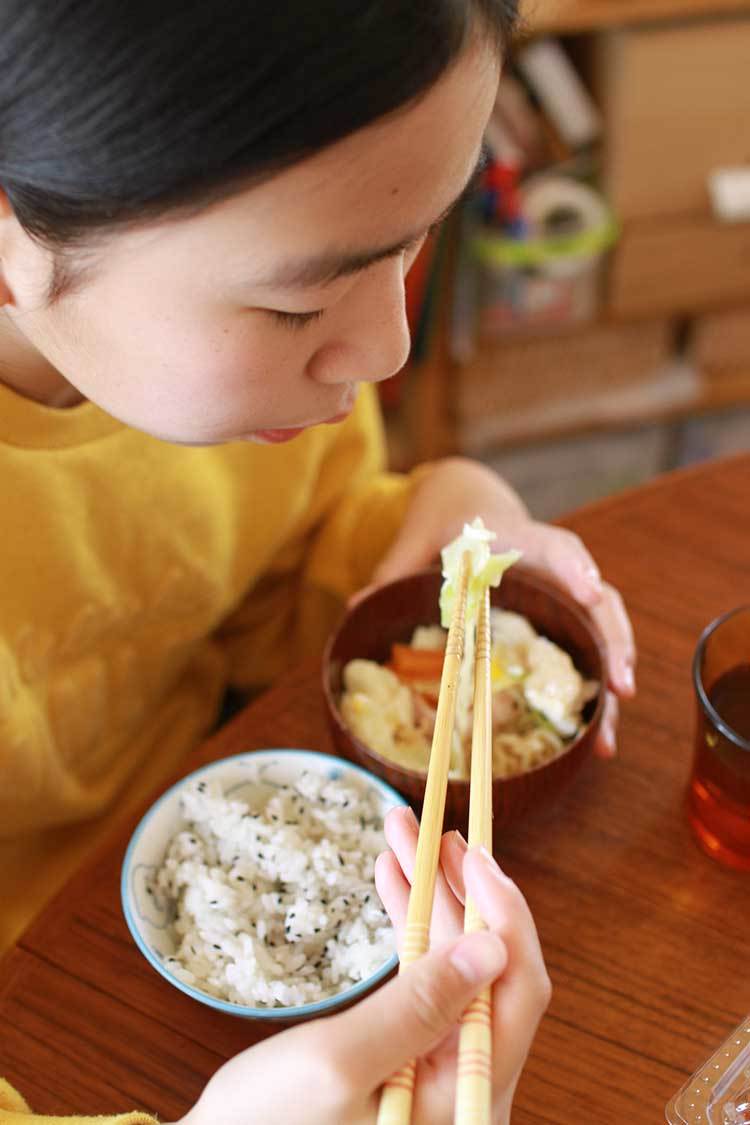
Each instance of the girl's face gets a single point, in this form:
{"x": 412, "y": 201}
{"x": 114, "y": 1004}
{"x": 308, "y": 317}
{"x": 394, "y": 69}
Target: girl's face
{"x": 258, "y": 316}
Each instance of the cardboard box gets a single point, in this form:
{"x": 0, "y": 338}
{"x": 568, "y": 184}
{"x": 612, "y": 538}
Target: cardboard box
{"x": 679, "y": 266}
{"x": 676, "y": 104}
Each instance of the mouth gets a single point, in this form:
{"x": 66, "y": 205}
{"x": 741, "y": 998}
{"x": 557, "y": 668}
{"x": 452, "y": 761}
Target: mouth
{"x": 276, "y": 437}
{"x": 288, "y": 433}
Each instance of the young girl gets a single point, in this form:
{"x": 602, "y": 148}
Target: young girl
{"x": 206, "y": 216}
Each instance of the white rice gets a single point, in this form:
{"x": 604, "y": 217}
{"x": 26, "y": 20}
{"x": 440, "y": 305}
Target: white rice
{"x": 273, "y": 892}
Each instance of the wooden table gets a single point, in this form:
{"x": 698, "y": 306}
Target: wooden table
{"x": 645, "y": 937}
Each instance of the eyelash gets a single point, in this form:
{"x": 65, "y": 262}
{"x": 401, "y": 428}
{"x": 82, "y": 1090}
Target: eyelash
{"x": 296, "y": 320}
{"x": 302, "y": 320}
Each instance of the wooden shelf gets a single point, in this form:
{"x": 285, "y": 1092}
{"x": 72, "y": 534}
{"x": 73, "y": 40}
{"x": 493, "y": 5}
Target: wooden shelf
{"x": 433, "y": 420}
{"x": 710, "y": 396}
{"x": 561, "y": 16}
{"x": 424, "y": 429}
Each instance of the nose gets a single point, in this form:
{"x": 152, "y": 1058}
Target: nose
{"x": 369, "y": 341}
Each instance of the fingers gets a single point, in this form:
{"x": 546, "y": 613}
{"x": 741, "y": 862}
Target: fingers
{"x": 606, "y": 742}
{"x": 401, "y": 831}
{"x": 413, "y": 1012}
{"x": 612, "y": 618}
{"x": 393, "y": 888}
{"x": 522, "y": 995}
{"x": 562, "y": 556}
{"x": 453, "y": 848}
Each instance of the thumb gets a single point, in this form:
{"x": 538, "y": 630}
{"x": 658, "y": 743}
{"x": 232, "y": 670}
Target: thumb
{"x": 416, "y": 1010}
{"x": 406, "y": 555}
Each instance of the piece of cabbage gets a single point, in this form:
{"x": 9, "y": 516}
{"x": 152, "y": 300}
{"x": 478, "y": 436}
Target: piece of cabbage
{"x": 486, "y": 569}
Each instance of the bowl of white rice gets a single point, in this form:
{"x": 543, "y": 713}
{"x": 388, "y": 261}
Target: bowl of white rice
{"x": 249, "y": 885}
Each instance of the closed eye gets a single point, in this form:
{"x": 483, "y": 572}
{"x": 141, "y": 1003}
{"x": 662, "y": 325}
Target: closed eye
{"x": 296, "y": 320}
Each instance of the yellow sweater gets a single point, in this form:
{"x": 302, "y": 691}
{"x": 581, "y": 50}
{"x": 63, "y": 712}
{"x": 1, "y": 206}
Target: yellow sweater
{"x": 137, "y": 580}
{"x": 14, "y": 1111}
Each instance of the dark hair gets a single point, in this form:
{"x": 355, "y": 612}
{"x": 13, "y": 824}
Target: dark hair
{"x": 118, "y": 110}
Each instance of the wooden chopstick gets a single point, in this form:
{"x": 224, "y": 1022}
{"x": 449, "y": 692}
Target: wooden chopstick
{"x": 398, "y": 1091}
{"x": 474, "y": 1076}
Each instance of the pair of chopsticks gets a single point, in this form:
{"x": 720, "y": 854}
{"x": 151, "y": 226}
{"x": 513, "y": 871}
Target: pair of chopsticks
{"x": 473, "y": 1085}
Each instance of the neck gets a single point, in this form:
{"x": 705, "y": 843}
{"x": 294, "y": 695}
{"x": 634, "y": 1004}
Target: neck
{"x": 28, "y": 372}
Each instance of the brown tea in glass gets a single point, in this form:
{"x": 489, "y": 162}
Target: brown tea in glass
{"x": 719, "y": 793}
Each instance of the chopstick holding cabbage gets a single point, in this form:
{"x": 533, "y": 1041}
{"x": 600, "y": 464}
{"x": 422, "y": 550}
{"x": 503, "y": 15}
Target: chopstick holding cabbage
{"x": 538, "y": 695}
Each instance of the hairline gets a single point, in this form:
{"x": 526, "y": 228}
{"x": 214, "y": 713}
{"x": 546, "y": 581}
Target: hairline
{"x": 68, "y": 277}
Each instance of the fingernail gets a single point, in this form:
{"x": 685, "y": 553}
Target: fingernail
{"x": 479, "y": 957}
{"x": 608, "y": 742}
{"x": 492, "y": 866}
{"x": 628, "y": 679}
{"x": 458, "y": 840}
{"x": 410, "y": 815}
{"x": 594, "y": 577}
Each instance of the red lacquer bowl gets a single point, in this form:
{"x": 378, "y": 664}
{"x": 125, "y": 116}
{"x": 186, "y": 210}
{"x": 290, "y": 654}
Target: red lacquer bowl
{"x": 391, "y": 613}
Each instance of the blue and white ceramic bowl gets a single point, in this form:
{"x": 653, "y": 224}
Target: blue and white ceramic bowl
{"x": 148, "y": 915}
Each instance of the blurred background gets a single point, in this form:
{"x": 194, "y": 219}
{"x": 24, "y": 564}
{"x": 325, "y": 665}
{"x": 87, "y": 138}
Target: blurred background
{"x": 583, "y": 320}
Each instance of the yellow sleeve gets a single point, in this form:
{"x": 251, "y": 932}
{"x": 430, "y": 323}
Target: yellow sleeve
{"x": 14, "y": 1111}
{"x": 356, "y": 507}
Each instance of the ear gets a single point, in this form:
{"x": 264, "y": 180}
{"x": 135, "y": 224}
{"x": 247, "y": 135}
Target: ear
{"x": 8, "y": 234}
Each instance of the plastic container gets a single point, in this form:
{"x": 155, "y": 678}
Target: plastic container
{"x": 552, "y": 276}
{"x": 719, "y": 1092}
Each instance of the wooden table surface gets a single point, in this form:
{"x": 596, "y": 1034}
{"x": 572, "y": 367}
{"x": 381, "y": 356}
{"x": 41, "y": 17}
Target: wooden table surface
{"x": 645, "y": 937}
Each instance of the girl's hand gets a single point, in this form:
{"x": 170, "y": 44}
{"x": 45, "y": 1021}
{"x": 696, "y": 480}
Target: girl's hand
{"x": 331, "y": 1070}
{"x": 456, "y": 490}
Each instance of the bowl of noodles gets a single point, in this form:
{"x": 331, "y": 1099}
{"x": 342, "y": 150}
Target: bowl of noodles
{"x": 381, "y": 674}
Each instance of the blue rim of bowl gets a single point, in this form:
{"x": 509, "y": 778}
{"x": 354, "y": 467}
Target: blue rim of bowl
{"x": 243, "y": 1011}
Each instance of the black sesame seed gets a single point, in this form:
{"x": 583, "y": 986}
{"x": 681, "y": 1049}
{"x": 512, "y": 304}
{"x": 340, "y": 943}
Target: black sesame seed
{"x": 240, "y": 878}
{"x": 217, "y": 946}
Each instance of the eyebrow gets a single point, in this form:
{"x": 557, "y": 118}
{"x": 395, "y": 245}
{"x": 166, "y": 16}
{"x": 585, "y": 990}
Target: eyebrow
{"x": 325, "y": 268}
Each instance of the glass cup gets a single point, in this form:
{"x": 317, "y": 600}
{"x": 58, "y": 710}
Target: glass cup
{"x": 719, "y": 792}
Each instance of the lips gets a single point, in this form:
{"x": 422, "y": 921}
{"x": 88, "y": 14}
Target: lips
{"x": 275, "y": 437}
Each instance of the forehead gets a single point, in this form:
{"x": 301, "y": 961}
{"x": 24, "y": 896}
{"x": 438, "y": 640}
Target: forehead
{"x": 398, "y": 173}
{"x": 378, "y": 186}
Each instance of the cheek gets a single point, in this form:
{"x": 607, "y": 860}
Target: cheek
{"x": 177, "y": 353}
{"x": 240, "y": 359}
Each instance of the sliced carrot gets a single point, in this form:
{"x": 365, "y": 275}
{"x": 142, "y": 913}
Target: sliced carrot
{"x": 417, "y": 663}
